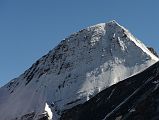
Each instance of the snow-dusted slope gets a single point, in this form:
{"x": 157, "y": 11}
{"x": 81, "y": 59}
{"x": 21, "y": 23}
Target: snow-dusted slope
{"x": 78, "y": 68}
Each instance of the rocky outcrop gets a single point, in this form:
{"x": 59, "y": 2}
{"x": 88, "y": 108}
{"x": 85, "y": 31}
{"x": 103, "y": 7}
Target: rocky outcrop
{"x": 153, "y": 51}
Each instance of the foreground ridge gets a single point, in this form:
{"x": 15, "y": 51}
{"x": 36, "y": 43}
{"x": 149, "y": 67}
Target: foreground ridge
{"x": 135, "y": 98}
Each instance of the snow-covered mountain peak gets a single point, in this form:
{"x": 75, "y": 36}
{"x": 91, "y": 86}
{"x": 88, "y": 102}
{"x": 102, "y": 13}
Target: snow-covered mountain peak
{"x": 78, "y": 68}
{"x": 113, "y": 23}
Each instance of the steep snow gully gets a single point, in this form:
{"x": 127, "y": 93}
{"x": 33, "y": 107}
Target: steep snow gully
{"x": 81, "y": 66}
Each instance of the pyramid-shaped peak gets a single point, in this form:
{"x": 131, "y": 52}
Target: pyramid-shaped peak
{"x": 110, "y": 23}
{"x": 106, "y": 34}
{"x": 112, "y": 26}
{"x": 113, "y": 22}
{"x": 73, "y": 72}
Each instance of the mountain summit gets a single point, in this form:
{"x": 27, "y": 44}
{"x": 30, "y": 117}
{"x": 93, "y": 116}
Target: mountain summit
{"x": 81, "y": 66}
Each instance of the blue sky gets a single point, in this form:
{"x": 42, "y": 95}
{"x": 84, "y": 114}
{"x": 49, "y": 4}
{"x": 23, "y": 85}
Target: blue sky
{"x": 30, "y": 28}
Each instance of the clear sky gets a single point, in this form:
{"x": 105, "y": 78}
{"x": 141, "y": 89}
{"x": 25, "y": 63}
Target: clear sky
{"x": 30, "y": 28}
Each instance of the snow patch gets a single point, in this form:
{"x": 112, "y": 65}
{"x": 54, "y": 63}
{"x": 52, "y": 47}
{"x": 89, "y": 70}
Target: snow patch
{"x": 49, "y": 112}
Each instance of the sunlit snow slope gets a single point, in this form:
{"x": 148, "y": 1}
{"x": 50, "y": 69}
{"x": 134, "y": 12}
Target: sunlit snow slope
{"x": 77, "y": 69}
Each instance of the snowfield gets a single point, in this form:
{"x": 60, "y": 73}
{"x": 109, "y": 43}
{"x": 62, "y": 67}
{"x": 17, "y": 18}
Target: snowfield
{"x": 77, "y": 69}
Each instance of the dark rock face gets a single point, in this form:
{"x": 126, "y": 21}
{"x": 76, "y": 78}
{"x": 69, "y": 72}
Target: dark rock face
{"x": 31, "y": 116}
{"x": 153, "y": 51}
{"x": 28, "y": 116}
{"x": 44, "y": 118}
{"x": 136, "y": 98}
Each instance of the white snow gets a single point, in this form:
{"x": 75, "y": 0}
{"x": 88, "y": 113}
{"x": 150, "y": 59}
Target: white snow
{"x": 48, "y": 110}
{"x": 77, "y": 69}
